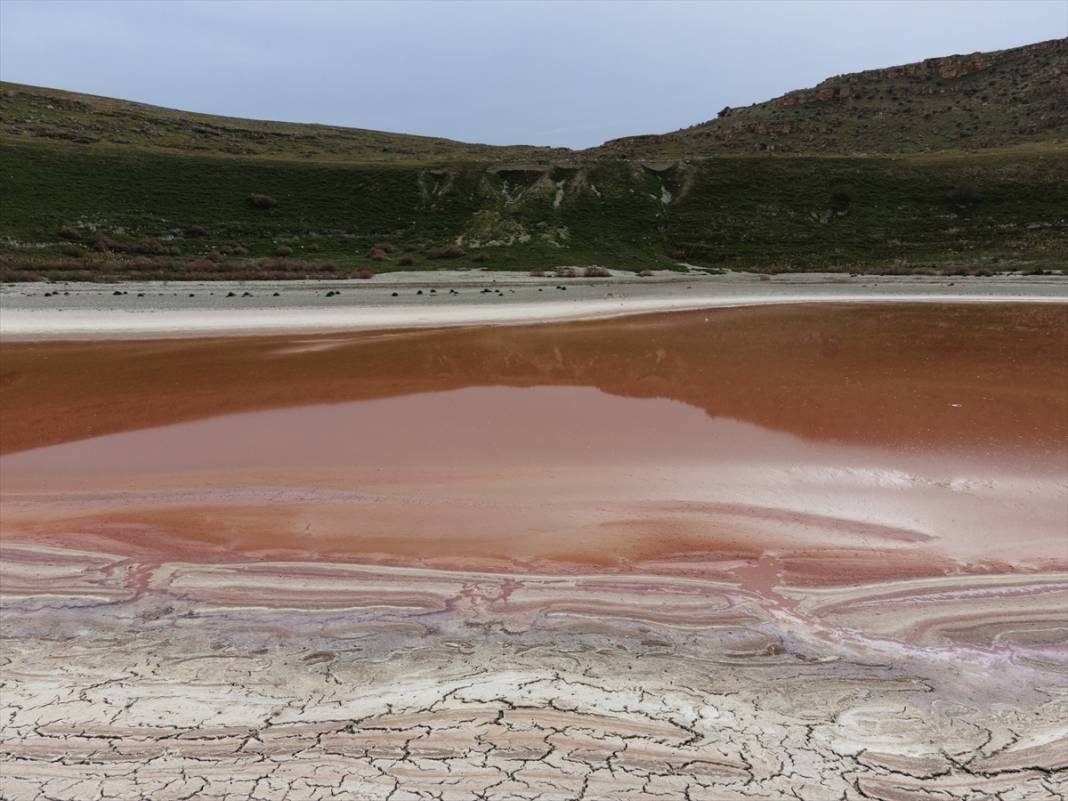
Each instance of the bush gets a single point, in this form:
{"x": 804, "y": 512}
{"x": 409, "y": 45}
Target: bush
{"x": 365, "y": 273}
{"x": 70, "y": 232}
{"x": 406, "y": 260}
{"x": 841, "y": 196}
{"x": 258, "y": 201}
{"x": 566, "y": 272}
{"x": 73, "y": 251}
{"x": 385, "y": 247}
{"x": 377, "y": 254}
{"x": 448, "y": 252}
{"x": 538, "y": 273}
{"x": 314, "y": 247}
{"x": 965, "y": 195}
{"x": 481, "y": 257}
{"x": 198, "y": 231}
{"x": 149, "y": 246}
{"x": 283, "y": 250}
{"x": 596, "y": 272}
{"x": 105, "y": 243}
{"x": 645, "y": 274}
{"x": 199, "y": 266}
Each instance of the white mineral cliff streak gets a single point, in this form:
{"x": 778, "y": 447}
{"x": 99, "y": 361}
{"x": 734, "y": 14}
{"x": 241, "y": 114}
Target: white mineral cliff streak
{"x": 318, "y": 681}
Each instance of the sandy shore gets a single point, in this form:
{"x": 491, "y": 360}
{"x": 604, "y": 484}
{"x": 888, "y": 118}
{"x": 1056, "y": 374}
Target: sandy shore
{"x": 449, "y": 298}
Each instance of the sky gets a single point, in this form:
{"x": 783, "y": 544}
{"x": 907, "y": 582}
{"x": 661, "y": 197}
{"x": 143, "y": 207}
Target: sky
{"x": 570, "y": 74}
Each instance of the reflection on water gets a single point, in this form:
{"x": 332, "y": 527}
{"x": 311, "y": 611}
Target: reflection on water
{"x": 980, "y": 377}
{"x": 541, "y": 473}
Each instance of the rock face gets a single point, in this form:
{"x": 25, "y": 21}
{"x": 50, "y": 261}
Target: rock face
{"x": 978, "y": 100}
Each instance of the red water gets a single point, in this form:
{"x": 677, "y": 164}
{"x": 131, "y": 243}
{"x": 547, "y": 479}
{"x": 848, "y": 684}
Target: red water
{"x": 881, "y": 440}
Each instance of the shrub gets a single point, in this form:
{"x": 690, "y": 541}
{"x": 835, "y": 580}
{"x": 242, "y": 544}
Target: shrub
{"x": 964, "y": 195}
{"x": 841, "y": 196}
{"x": 385, "y": 247}
{"x": 377, "y": 254}
{"x": 199, "y": 266}
{"x": 481, "y": 257}
{"x": 149, "y": 246}
{"x": 73, "y": 251}
{"x": 365, "y": 273}
{"x": 105, "y": 243}
{"x": 448, "y": 252}
{"x": 406, "y": 260}
{"x": 646, "y": 273}
{"x": 596, "y": 272}
{"x": 538, "y": 273}
{"x": 258, "y": 201}
{"x": 198, "y": 231}
{"x": 314, "y": 247}
{"x": 70, "y": 232}
{"x": 283, "y": 250}
{"x": 566, "y": 272}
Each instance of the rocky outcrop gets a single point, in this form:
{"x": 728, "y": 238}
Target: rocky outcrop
{"x": 983, "y": 99}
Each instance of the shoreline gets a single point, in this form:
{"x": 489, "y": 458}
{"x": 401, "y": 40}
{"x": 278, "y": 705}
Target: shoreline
{"x": 166, "y": 310}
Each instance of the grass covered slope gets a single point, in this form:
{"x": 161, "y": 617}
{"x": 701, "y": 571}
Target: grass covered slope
{"x": 37, "y": 113}
{"x": 108, "y": 212}
{"x": 98, "y": 189}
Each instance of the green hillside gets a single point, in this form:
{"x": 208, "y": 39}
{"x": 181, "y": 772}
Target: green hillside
{"x": 97, "y": 189}
{"x": 189, "y": 215}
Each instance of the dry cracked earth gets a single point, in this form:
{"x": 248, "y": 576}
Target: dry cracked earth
{"x": 283, "y": 681}
{"x": 662, "y": 580}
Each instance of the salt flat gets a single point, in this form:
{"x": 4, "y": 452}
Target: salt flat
{"x": 440, "y": 298}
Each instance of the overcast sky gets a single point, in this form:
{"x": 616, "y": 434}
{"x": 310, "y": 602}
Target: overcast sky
{"x": 558, "y": 73}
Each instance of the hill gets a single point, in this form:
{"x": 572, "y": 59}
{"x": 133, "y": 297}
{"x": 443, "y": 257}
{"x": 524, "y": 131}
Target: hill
{"x": 36, "y": 113}
{"x": 981, "y": 100}
{"x": 100, "y": 189}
